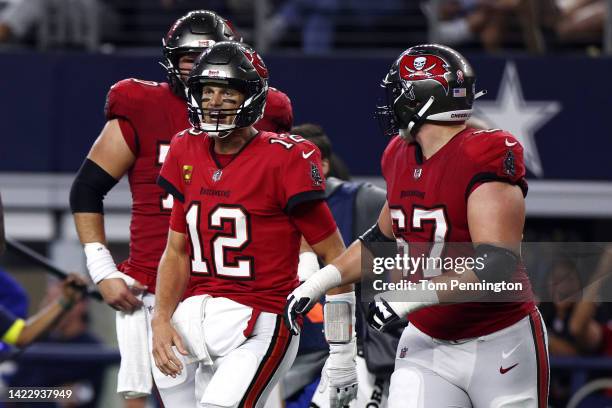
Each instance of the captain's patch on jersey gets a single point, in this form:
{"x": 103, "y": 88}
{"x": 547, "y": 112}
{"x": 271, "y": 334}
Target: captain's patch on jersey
{"x": 187, "y": 173}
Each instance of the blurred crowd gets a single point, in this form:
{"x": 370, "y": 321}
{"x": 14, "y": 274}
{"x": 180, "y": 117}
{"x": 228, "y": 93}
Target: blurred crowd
{"x": 317, "y": 26}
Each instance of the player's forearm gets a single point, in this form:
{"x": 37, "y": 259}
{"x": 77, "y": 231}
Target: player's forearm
{"x": 42, "y": 321}
{"x": 172, "y": 279}
{"x": 349, "y": 263}
{"x": 330, "y": 249}
{"x": 90, "y": 227}
{"x": 449, "y": 285}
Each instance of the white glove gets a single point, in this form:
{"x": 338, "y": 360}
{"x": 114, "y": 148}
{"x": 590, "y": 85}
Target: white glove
{"x": 304, "y": 297}
{"x": 341, "y": 370}
{"x": 383, "y": 312}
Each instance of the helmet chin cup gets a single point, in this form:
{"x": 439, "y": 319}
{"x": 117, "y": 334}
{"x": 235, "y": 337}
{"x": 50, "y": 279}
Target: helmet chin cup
{"x": 220, "y": 135}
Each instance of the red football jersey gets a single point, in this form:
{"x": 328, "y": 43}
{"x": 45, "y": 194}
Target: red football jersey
{"x": 242, "y": 241}
{"x": 428, "y": 202}
{"x": 278, "y": 113}
{"x": 150, "y": 114}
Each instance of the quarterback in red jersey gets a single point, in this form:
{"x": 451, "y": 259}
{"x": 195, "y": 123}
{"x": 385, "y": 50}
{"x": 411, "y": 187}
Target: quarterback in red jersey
{"x": 448, "y": 183}
{"x": 243, "y": 199}
{"x": 142, "y": 116}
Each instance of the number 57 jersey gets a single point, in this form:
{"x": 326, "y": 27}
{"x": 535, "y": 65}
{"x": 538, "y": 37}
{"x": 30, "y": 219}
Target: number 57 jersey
{"x": 428, "y": 203}
{"x": 242, "y": 241}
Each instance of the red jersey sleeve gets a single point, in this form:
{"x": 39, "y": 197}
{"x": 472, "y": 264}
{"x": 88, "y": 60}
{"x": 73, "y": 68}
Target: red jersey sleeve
{"x": 314, "y": 220}
{"x": 278, "y": 114}
{"x": 121, "y": 104}
{"x": 495, "y": 156}
{"x": 129, "y": 135}
{"x": 172, "y": 175}
{"x": 301, "y": 176}
{"x": 178, "y": 221}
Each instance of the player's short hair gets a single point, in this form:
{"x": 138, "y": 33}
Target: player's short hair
{"x": 315, "y": 134}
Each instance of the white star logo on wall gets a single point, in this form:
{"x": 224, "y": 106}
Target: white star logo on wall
{"x": 511, "y": 112}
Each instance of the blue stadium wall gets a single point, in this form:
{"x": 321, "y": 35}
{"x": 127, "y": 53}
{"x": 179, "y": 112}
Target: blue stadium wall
{"x": 52, "y": 106}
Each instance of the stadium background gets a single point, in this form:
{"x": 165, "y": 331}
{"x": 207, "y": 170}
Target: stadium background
{"x": 552, "y": 92}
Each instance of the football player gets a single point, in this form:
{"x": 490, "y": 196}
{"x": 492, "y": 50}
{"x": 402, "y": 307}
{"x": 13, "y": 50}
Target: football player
{"x": 448, "y": 183}
{"x": 243, "y": 199}
{"x": 142, "y": 116}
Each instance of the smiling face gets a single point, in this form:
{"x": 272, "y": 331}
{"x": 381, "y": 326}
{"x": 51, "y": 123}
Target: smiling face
{"x": 220, "y": 104}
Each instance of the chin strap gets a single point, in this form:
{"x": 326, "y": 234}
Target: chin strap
{"x": 416, "y": 119}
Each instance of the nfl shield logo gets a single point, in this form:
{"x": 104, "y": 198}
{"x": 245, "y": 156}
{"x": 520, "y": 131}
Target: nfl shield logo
{"x": 403, "y": 352}
{"x": 417, "y": 173}
{"x": 217, "y": 175}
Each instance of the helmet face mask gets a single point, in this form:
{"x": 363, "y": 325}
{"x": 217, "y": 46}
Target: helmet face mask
{"x": 190, "y": 35}
{"x": 427, "y": 83}
{"x": 227, "y": 65}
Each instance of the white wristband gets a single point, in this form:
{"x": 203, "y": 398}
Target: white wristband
{"x": 308, "y": 265}
{"x": 325, "y": 279}
{"x": 100, "y": 263}
{"x": 120, "y": 275}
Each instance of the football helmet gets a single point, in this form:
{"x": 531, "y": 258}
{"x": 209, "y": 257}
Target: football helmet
{"x": 192, "y": 34}
{"x": 234, "y": 65}
{"x": 428, "y": 82}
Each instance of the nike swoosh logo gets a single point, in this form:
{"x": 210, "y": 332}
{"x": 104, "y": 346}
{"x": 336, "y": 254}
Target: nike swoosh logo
{"x": 510, "y": 144}
{"x": 503, "y": 370}
{"x": 506, "y": 355}
{"x": 307, "y": 155}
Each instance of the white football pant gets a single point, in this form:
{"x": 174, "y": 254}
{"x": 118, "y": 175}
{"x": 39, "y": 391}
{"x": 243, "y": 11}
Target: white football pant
{"x": 238, "y": 370}
{"x": 505, "y": 369}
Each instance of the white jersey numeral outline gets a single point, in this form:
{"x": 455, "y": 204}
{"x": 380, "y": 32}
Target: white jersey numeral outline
{"x": 420, "y": 216}
{"x": 221, "y": 243}
{"x": 166, "y": 200}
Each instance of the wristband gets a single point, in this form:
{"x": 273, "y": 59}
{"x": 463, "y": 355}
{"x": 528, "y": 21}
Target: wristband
{"x": 100, "y": 263}
{"x": 308, "y": 265}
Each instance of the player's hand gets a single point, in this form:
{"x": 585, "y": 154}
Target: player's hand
{"x": 342, "y": 378}
{"x": 381, "y": 315}
{"x": 119, "y": 295}
{"x": 73, "y": 289}
{"x": 300, "y": 301}
{"x": 164, "y": 337}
